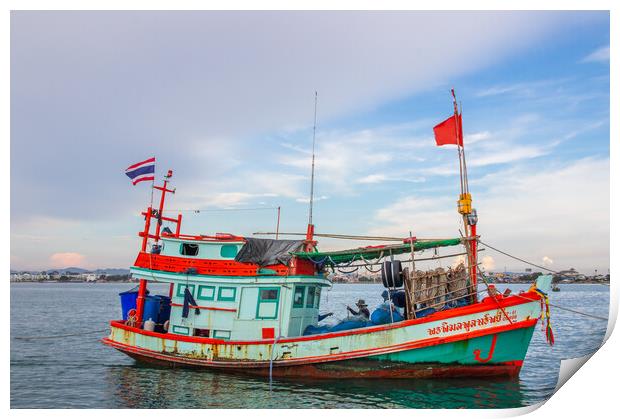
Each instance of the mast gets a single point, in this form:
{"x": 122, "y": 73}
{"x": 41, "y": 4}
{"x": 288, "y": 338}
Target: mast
{"x": 470, "y": 217}
{"x": 310, "y": 230}
{"x": 146, "y": 235}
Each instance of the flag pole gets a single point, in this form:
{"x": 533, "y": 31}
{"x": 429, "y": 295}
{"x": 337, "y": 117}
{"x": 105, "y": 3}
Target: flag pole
{"x": 310, "y": 230}
{"x": 153, "y": 184}
{"x": 458, "y": 142}
{"x": 470, "y": 218}
{"x": 463, "y": 148}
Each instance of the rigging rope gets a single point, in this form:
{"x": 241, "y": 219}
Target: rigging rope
{"x": 569, "y": 309}
{"x": 517, "y": 258}
{"x": 199, "y": 210}
{"x": 482, "y": 275}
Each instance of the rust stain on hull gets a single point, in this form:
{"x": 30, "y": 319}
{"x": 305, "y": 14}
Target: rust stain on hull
{"x": 356, "y": 369}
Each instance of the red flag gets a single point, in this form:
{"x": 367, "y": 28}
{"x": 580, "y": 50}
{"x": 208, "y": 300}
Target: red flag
{"x": 447, "y": 133}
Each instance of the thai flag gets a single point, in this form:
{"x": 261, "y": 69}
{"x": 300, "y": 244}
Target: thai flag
{"x": 145, "y": 170}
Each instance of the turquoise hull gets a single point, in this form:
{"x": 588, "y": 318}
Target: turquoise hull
{"x": 509, "y": 346}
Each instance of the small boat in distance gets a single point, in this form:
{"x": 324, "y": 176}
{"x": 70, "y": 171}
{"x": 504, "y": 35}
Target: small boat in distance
{"x": 251, "y": 305}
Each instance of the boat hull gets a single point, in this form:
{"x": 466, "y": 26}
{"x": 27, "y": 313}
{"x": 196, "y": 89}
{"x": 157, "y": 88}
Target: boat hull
{"x": 484, "y": 339}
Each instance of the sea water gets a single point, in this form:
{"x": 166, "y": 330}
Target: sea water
{"x": 80, "y": 372}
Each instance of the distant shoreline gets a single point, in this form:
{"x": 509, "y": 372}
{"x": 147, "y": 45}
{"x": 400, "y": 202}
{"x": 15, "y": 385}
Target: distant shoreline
{"x": 344, "y": 283}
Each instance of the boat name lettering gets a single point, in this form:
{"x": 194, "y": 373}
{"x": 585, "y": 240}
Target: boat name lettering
{"x": 468, "y": 325}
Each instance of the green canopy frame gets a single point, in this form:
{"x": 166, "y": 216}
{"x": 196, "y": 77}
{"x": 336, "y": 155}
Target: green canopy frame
{"x": 372, "y": 252}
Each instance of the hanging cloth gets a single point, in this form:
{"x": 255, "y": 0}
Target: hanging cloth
{"x": 188, "y": 299}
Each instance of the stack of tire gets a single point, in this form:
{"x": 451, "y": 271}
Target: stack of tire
{"x": 392, "y": 274}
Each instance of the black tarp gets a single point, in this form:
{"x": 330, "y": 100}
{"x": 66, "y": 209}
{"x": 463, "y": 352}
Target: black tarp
{"x": 265, "y": 252}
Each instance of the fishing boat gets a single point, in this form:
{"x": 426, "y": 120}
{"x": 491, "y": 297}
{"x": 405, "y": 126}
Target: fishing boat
{"x": 252, "y": 305}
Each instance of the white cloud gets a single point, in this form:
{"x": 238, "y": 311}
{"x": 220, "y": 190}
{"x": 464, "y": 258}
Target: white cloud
{"x": 232, "y": 199}
{"x": 345, "y": 158}
{"x": 476, "y": 137}
{"x": 66, "y": 260}
{"x": 599, "y": 55}
{"x": 377, "y": 178}
{"x": 547, "y": 261}
{"x": 306, "y": 200}
{"x": 508, "y": 154}
{"x": 488, "y": 263}
{"x": 526, "y": 211}
{"x": 374, "y": 178}
{"x": 524, "y": 89}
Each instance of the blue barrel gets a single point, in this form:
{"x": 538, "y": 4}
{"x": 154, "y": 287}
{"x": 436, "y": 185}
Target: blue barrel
{"x": 164, "y": 312}
{"x": 128, "y": 301}
{"x": 151, "y": 308}
{"x": 157, "y": 308}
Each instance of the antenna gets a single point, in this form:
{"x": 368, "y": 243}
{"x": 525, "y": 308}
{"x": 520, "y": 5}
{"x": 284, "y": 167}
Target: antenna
{"x": 312, "y": 175}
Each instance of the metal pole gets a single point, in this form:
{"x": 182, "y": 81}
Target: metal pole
{"x": 140, "y": 303}
{"x": 278, "y": 224}
{"x": 161, "y": 210}
{"x": 389, "y": 294}
{"x": 313, "y": 158}
{"x": 474, "y": 262}
{"x": 411, "y": 290}
{"x": 458, "y": 145}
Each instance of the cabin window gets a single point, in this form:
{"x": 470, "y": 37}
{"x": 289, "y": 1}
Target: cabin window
{"x": 311, "y": 297}
{"x": 189, "y": 249}
{"x": 221, "y": 334}
{"x": 226, "y": 294}
{"x": 317, "y": 299}
{"x": 181, "y": 289}
{"x": 203, "y": 333}
{"x": 228, "y": 251}
{"x": 298, "y": 297}
{"x": 206, "y": 292}
{"x": 267, "y": 307}
{"x": 181, "y": 330}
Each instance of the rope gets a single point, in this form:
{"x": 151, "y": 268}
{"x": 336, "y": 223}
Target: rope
{"x": 555, "y": 305}
{"x": 348, "y": 272}
{"x": 199, "y": 210}
{"x": 60, "y": 336}
{"x": 549, "y": 270}
{"x": 568, "y": 309}
{"x": 517, "y": 258}
{"x": 486, "y": 284}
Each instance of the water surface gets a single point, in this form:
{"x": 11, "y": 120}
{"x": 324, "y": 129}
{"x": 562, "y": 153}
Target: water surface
{"x": 80, "y": 372}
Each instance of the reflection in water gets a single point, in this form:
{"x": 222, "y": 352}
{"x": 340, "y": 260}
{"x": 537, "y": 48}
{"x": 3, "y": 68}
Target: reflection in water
{"x": 146, "y": 387}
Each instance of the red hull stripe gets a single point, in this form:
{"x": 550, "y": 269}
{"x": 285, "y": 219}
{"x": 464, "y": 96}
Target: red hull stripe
{"x": 485, "y": 305}
{"x": 326, "y": 358}
{"x": 234, "y": 310}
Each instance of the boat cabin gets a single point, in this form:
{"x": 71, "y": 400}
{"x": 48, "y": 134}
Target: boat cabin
{"x": 233, "y": 299}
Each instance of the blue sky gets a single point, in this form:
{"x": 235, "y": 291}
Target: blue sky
{"x": 226, "y": 100}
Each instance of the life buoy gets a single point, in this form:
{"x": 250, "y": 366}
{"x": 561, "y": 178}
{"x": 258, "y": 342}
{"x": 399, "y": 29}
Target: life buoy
{"x": 132, "y": 317}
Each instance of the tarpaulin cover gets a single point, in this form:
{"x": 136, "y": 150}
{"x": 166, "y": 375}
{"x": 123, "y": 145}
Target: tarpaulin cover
{"x": 373, "y": 252}
{"x": 266, "y": 252}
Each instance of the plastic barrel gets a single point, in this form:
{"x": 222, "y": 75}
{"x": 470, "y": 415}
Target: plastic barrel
{"x": 151, "y": 308}
{"x": 128, "y": 301}
{"x": 164, "y": 311}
